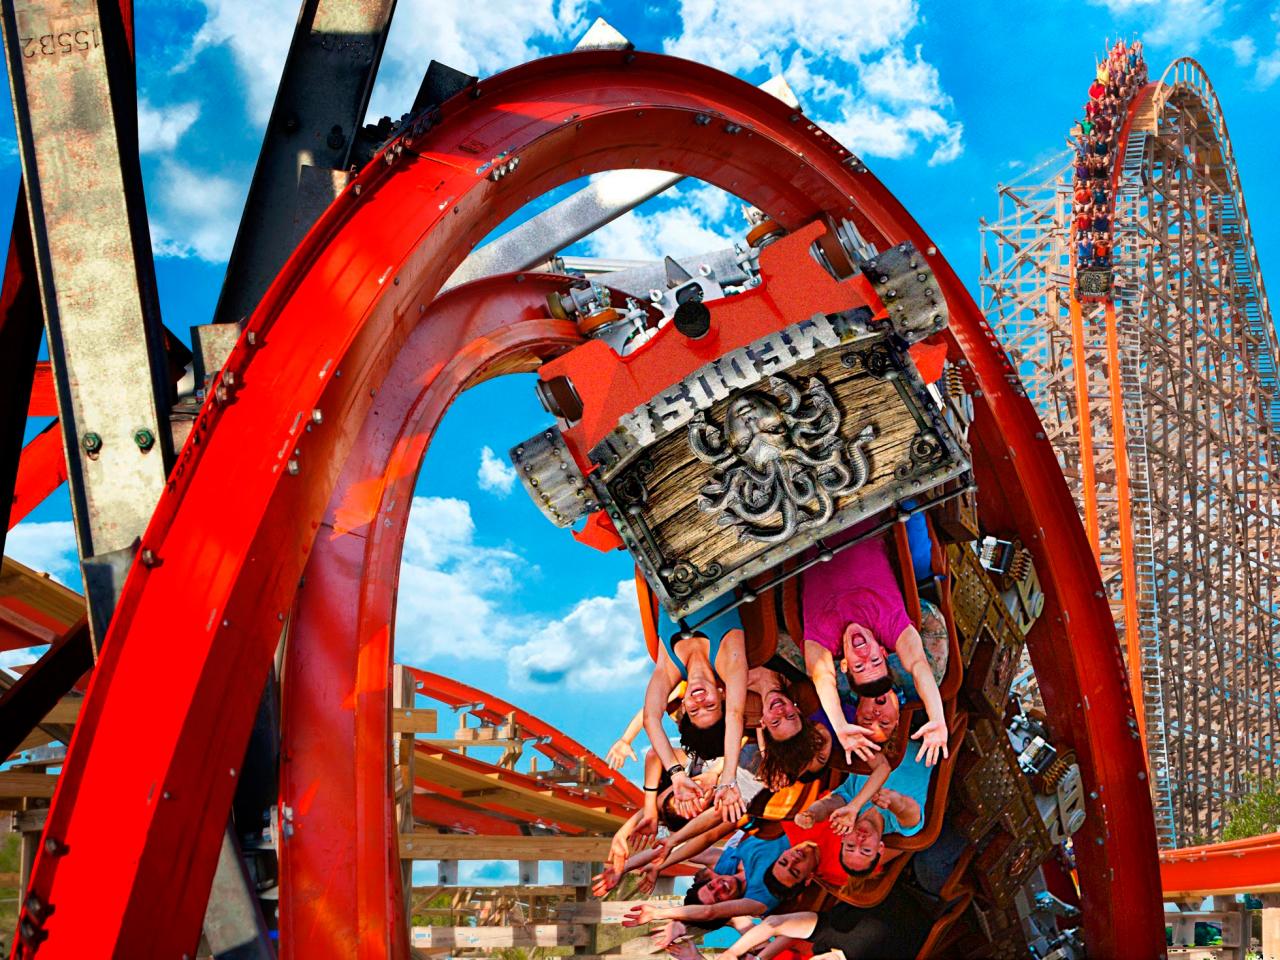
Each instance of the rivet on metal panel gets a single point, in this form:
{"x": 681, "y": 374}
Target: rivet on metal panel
{"x": 292, "y": 468}
{"x": 92, "y": 443}
{"x": 144, "y": 438}
{"x": 149, "y": 558}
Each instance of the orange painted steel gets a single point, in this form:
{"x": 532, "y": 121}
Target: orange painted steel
{"x": 1080, "y": 373}
{"x": 135, "y": 825}
{"x": 1237, "y": 866}
{"x": 41, "y": 470}
{"x": 44, "y": 402}
{"x": 1128, "y": 569}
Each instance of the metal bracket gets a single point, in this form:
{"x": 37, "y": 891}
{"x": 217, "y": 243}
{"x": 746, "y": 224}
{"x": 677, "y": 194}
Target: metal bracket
{"x": 905, "y": 283}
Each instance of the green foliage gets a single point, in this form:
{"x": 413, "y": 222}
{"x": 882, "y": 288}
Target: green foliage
{"x": 1256, "y": 813}
{"x": 9, "y": 854}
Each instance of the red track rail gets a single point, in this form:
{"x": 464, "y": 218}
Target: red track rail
{"x": 558, "y": 747}
{"x": 1237, "y": 866}
{"x": 134, "y": 830}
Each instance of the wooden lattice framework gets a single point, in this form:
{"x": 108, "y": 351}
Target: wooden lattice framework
{"x": 1174, "y": 417}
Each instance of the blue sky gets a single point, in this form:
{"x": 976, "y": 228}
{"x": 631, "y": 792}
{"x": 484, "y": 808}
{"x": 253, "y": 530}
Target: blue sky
{"x": 943, "y": 100}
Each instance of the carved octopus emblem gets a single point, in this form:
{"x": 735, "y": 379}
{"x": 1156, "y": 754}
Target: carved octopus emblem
{"x": 780, "y": 460}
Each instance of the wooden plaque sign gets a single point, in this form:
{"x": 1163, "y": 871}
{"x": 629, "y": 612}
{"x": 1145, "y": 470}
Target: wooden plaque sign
{"x": 755, "y": 457}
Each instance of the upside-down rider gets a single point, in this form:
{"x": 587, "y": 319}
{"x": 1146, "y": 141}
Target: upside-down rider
{"x": 853, "y": 609}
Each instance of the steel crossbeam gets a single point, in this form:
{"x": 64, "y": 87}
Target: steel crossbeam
{"x": 306, "y": 149}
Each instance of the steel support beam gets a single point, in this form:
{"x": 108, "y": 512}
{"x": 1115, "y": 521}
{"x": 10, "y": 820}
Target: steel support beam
{"x": 233, "y": 925}
{"x": 319, "y": 107}
{"x": 541, "y": 237}
{"x": 71, "y": 74}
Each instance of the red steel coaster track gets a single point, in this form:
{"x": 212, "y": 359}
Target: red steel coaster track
{"x": 323, "y": 428}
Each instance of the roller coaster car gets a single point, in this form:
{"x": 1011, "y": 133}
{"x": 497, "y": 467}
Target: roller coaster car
{"x": 1093, "y": 286}
{"x": 753, "y": 426}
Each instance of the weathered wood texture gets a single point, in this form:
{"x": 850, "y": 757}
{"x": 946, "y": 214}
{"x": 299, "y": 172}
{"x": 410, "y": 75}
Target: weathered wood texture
{"x": 411, "y": 720}
{"x": 664, "y": 482}
{"x": 443, "y": 846}
{"x": 534, "y": 935}
{"x": 475, "y": 784}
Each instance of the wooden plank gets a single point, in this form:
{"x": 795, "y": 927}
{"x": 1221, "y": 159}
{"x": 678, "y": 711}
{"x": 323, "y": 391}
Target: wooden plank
{"x": 544, "y": 803}
{"x": 21, "y": 783}
{"x": 459, "y": 846}
{"x": 534, "y": 935}
{"x": 8, "y": 880}
{"x": 45, "y": 605}
{"x": 67, "y": 710}
{"x": 517, "y": 890}
{"x": 36, "y": 738}
{"x": 412, "y": 720}
{"x": 456, "y": 743}
{"x": 603, "y": 911}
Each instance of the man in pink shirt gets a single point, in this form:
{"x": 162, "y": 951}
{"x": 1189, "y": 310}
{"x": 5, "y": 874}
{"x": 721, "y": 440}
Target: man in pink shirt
{"x": 853, "y": 610}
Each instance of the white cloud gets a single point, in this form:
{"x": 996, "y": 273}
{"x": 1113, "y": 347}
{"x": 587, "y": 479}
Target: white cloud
{"x": 674, "y": 231}
{"x": 1243, "y": 49}
{"x": 48, "y": 547}
{"x": 450, "y": 587}
{"x": 894, "y": 79}
{"x": 598, "y": 645}
{"x": 197, "y": 213}
{"x": 1268, "y": 68}
{"x": 160, "y": 128}
{"x": 258, "y": 36}
{"x": 1179, "y": 24}
{"x": 476, "y": 38}
{"x": 743, "y": 35}
{"x": 456, "y": 599}
{"x": 495, "y": 475}
{"x": 853, "y": 74}
{"x": 18, "y": 658}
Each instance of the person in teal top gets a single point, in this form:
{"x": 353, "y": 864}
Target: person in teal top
{"x": 866, "y": 809}
{"x": 713, "y": 663}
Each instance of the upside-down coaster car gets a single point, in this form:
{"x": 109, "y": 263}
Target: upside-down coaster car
{"x": 678, "y": 424}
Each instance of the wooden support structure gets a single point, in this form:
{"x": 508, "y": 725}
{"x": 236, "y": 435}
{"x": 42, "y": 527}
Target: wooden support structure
{"x": 446, "y": 846}
{"x": 475, "y": 784}
{"x": 407, "y": 719}
{"x": 491, "y": 938}
{"x": 25, "y": 783}
{"x": 1161, "y": 402}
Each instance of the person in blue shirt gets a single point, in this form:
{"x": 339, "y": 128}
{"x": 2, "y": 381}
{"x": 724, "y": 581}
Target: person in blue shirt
{"x": 768, "y": 870}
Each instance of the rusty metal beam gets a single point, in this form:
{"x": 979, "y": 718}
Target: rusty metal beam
{"x": 71, "y": 73}
{"x": 319, "y": 107}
